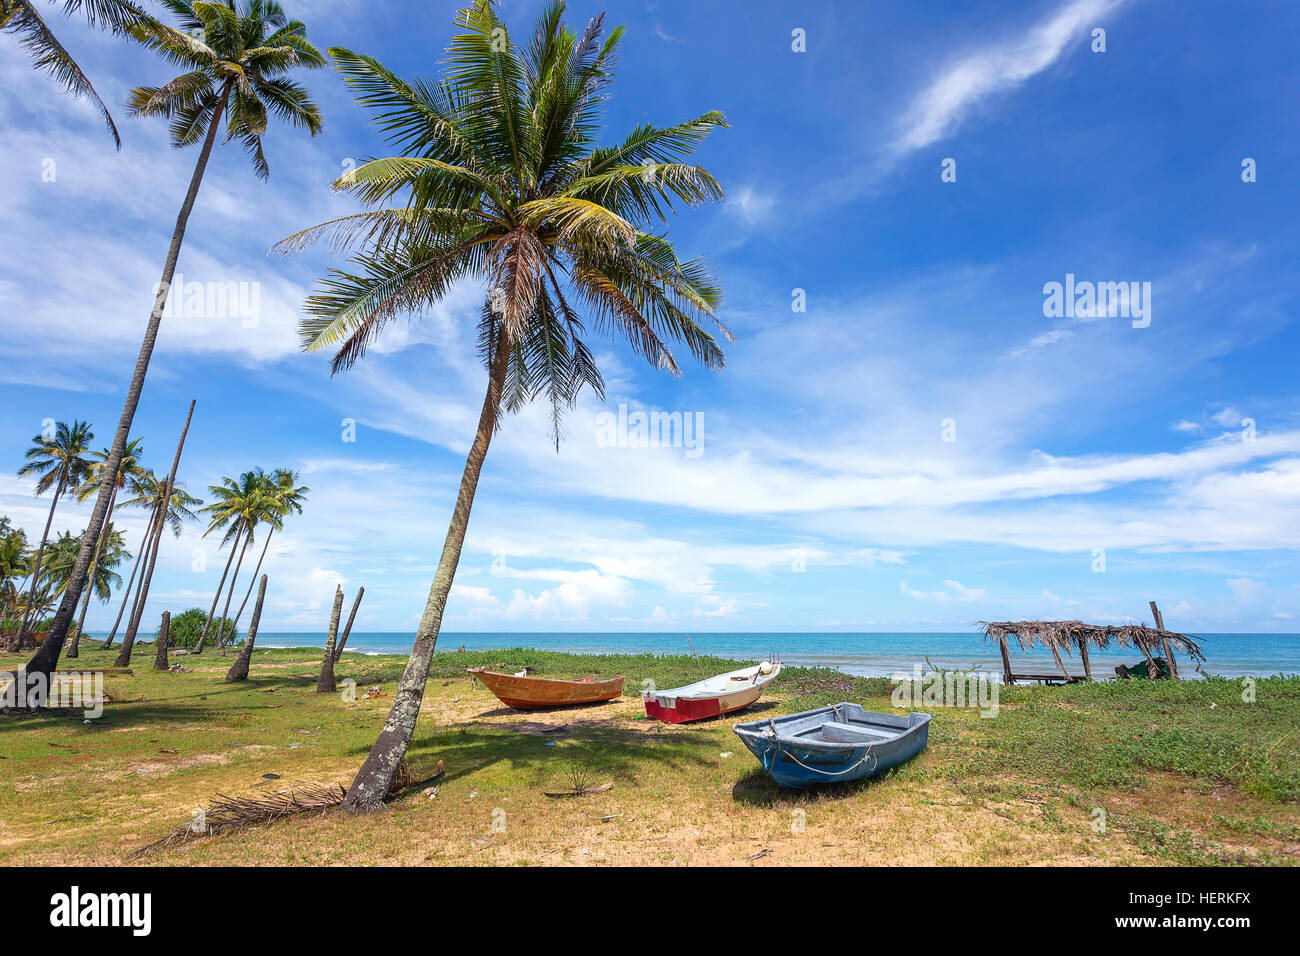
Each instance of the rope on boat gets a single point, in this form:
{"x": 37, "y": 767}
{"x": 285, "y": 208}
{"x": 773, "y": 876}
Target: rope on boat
{"x": 832, "y": 773}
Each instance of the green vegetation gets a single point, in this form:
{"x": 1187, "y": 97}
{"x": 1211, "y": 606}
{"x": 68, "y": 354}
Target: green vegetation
{"x": 1185, "y": 773}
{"x": 186, "y": 627}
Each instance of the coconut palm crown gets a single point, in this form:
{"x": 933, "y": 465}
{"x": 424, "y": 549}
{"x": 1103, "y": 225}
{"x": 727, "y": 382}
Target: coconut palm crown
{"x": 500, "y": 179}
{"x": 235, "y": 57}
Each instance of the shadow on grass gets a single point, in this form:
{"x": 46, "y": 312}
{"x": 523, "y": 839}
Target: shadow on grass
{"x": 758, "y": 789}
{"x": 609, "y": 751}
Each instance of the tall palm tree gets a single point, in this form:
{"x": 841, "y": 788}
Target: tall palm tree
{"x": 60, "y": 461}
{"x": 500, "y": 179}
{"x": 63, "y": 555}
{"x": 147, "y": 492}
{"x": 129, "y": 470}
{"x": 48, "y": 54}
{"x": 286, "y": 497}
{"x": 236, "y": 58}
{"x": 238, "y": 508}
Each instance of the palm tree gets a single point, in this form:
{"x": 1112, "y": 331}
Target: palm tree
{"x": 147, "y": 490}
{"x": 236, "y": 59}
{"x": 48, "y": 54}
{"x": 238, "y": 508}
{"x": 129, "y": 470}
{"x": 500, "y": 179}
{"x": 60, "y": 461}
{"x": 286, "y": 497}
{"x": 15, "y": 562}
{"x": 60, "y": 554}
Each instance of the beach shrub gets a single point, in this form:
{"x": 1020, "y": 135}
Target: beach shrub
{"x": 186, "y": 627}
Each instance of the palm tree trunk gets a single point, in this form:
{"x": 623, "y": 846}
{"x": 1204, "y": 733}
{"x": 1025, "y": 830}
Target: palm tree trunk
{"x": 164, "y": 636}
{"x": 130, "y": 583}
{"x": 225, "y": 611}
{"x": 325, "y": 681}
{"x": 239, "y": 670}
{"x": 253, "y": 580}
{"x": 21, "y": 636}
{"x": 90, "y": 578}
{"x": 338, "y": 651}
{"x": 46, "y": 657}
{"x": 124, "y": 656}
{"x": 375, "y": 778}
{"x": 221, "y": 586}
{"x": 155, "y": 532}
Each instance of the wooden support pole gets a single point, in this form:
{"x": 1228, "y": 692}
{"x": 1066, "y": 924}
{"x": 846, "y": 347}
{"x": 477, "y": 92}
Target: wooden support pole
{"x": 1006, "y": 661}
{"x": 1083, "y": 653}
{"x": 1169, "y": 650}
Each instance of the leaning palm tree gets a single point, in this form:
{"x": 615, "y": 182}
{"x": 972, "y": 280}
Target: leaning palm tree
{"x": 60, "y": 460}
{"x": 285, "y": 497}
{"x": 128, "y": 471}
{"x": 146, "y": 493}
{"x": 22, "y": 18}
{"x": 236, "y": 59}
{"x": 238, "y": 507}
{"x": 500, "y": 180}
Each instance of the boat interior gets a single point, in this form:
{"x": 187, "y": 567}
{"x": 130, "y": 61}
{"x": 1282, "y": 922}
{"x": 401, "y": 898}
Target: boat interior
{"x": 723, "y": 683}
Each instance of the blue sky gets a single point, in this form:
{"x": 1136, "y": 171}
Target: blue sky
{"x": 824, "y": 495}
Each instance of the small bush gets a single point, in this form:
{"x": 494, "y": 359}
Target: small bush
{"x": 186, "y": 627}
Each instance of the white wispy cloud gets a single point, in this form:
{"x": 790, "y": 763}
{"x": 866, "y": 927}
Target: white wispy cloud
{"x": 967, "y": 82}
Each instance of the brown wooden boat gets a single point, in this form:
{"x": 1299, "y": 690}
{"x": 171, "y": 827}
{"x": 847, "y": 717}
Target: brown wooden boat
{"x": 532, "y": 693}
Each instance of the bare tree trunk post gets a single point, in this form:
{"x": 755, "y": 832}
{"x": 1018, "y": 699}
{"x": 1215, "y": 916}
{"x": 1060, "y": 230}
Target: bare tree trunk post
{"x": 374, "y": 780}
{"x": 164, "y": 635}
{"x": 221, "y": 586}
{"x": 90, "y": 579}
{"x": 124, "y": 656}
{"x": 239, "y": 669}
{"x": 253, "y": 580}
{"x": 325, "y": 683}
{"x": 46, "y": 657}
{"x": 20, "y": 638}
{"x": 338, "y": 651}
{"x": 1169, "y": 651}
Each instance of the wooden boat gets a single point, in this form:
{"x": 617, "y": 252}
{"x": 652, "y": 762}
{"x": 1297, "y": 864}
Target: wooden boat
{"x": 721, "y": 694}
{"x": 532, "y": 693}
{"x": 833, "y": 744}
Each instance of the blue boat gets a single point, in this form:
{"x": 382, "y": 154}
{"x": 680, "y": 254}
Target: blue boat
{"x": 833, "y": 744}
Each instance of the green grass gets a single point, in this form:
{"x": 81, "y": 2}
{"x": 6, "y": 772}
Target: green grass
{"x": 1186, "y": 773}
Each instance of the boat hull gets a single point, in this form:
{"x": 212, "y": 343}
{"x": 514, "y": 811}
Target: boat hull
{"x": 836, "y": 744}
{"x": 686, "y": 711}
{"x": 700, "y": 701}
{"x": 537, "y": 693}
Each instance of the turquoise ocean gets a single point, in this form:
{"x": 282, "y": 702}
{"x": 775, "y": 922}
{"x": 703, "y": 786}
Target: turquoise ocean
{"x": 866, "y": 654}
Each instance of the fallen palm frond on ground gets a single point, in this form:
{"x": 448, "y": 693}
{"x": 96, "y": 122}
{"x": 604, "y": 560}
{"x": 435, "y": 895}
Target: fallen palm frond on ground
{"x": 228, "y": 814}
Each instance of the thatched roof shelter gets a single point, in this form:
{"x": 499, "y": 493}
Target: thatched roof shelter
{"x": 1059, "y": 636}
